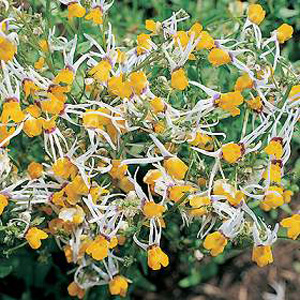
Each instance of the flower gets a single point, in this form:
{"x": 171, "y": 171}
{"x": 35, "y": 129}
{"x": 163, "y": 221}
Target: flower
{"x": 8, "y": 49}
{"x": 175, "y": 167}
{"x": 96, "y": 15}
{"x": 35, "y": 170}
{"x": 151, "y": 209}
{"x": 157, "y": 258}
{"x": 230, "y": 101}
{"x": 284, "y": 33}
{"x": 256, "y": 13}
{"x": 3, "y": 203}
{"x": 75, "y": 10}
{"x": 215, "y": 242}
{"x": 75, "y": 290}
{"x": 98, "y": 248}
{"x": 294, "y": 94}
{"x": 262, "y": 255}
{"x": 206, "y": 41}
{"x": 218, "y": 57}
{"x": 255, "y": 104}
{"x": 34, "y": 236}
{"x": 179, "y": 80}
{"x": 293, "y": 226}
{"x": 274, "y": 173}
{"x": 203, "y": 141}
{"x": 118, "y": 285}
{"x": 243, "y": 82}
{"x": 273, "y": 198}
{"x": 232, "y": 152}
{"x": 199, "y": 205}
{"x": 275, "y": 148}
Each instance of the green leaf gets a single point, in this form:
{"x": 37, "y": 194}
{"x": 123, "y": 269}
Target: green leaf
{"x": 5, "y": 271}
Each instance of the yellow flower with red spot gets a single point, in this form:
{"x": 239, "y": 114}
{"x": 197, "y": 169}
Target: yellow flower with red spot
{"x": 33, "y": 127}
{"x": 215, "y": 242}
{"x": 157, "y": 258}
{"x": 34, "y": 236}
{"x": 262, "y": 255}
{"x": 293, "y": 226}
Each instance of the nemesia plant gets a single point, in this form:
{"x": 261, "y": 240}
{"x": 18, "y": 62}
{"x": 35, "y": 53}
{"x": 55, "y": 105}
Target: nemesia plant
{"x": 129, "y": 136}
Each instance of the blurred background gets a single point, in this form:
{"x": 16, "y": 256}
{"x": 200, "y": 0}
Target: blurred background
{"x": 43, "y": 274}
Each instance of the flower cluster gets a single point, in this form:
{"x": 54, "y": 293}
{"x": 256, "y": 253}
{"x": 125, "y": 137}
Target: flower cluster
{"x": 128, "y": 135}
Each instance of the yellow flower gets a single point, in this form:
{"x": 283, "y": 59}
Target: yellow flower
{"x": 126, "y": 185}
{"x": 7, "y": 49}
{"x": 256, "y": 13}
{"x": 29, "y": 87}
{"x": 44, "y": 45}
{"x": 233, "y": 196}
{"x": 34, "y": 237}
{"x": 157, "y": 258}
{"x": 35, "y": 170}
{"x": 262, "y": 255}
{"x": 152, "y": 176}
{"x": 138, "y": 81}
{"x": 143, "y": 43}
{"x": 202, "y": 141}
{"x": 256, "y": 104}
{"x": 11, "y": 110}
{"x": 182, "y": 38}
{"x": 98, "y": 249}
{"x": 215, "y": 242}
{"x": 293, "y": 226}
{"x": 287, "y": 196}
{"x": 64, "y": 168}
{"x": 118, "y": 87}
{"x": 157, "y": 105}
{"x": 3, "y": 203}
{"x": 96, "y": 15}
{"x": 232, "y": 152}
{"x": 179, "y": 81}
{"x": 33, "y": 127}
{"x": 295, "y": 91}
{"x": 118, "y": 286}
{"x": 243, "y": 82}
{"x": 199, "y": 205}
{"x": 230, "y": 101}
{"x": 176, "y": 192}
{"x": 75, "y": 10}
{"x": 218, "y": 57}
{"x": 275, "y": 148}
{"x": 284, "y": 33}
{"x": 175, "y": 167}
{"x": 273, "y": 198}
{"x": 206, "y": 41}
{"x": 274, "y": 172}
{"x": 39, "y": 63}
{"x": 151, "y": 209}
{"x": 196, "y": 29}
{"x": 64, "y": 76}
{"x": 74, "y": 290}
{"x": 150, "y": 25}
{"x": 118, "y": 171}
{"x": 101, "y": 71}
